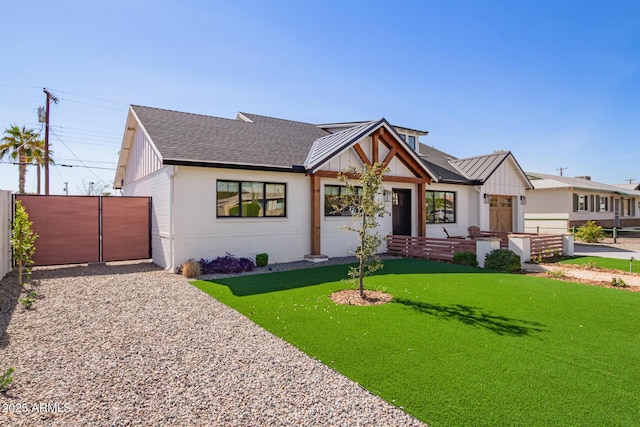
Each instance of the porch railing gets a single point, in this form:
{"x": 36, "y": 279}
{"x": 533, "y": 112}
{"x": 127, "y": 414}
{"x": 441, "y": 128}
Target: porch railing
{"x": 428, "y": 247}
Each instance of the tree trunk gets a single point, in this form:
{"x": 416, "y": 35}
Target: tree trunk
{"x": 38, "y": 175}
{"x": 22, "y": 170}
{"x": 362, "y": 278}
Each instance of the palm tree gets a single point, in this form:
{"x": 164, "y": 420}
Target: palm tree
{"x": 37, "y": 158}
{"x": 19, "y": 144}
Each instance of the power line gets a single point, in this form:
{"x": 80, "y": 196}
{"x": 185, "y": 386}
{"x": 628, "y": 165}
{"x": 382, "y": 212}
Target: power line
{"x": 66, "y": 165}
{"x": 74, "y": 155}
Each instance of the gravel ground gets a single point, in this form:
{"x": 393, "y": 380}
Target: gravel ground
{"x": 129, "y": 344}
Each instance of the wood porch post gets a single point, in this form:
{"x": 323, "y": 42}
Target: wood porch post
{"x": 422, "y": 209}
{"x": 315, "y": 215}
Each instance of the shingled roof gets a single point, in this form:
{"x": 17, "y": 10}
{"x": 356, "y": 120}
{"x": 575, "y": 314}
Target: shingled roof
{"x": 252, "y": 141}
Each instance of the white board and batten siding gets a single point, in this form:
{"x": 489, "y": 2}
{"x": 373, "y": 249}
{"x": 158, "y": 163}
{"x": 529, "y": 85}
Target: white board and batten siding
{"x": 144, "y": 158}
{"x": 505, "y": 181}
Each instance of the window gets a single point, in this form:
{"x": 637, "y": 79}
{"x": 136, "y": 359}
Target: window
{"x": 441, "y": 207}
{"x": 582, "y": 202}
{"x": 332, "y": 195}
{"x": 604, "y": 203}
{"x": 250, "y": 199}
{"x": 412, "y": 141}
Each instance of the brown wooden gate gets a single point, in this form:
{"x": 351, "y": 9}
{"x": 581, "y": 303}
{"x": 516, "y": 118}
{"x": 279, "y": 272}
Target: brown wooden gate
{"x": 82, "y": 229}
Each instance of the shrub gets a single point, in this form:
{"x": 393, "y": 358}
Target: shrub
{"x": 619, "y": 283}
{"x": 6, "y": 379}
{"x": 226, "y": 264}
{"x": 465, "y": 258}
{"x": 27, "y": 302}
{"x": 191, "y": 269}
{"x": 262, "y": 260}
{"x": 22, "y": 242}
{"x": 556, "y": 274}
{"x": 590, "y": 232}
{"x": 502, "y": 260}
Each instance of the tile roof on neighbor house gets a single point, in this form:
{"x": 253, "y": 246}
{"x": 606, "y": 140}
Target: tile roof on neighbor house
{"x": 543, "y": 181}
{"x": 195, "y": 138}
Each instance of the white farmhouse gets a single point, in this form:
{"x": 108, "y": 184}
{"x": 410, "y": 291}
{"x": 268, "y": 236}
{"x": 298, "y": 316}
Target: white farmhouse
{"x": 258, "y": 184}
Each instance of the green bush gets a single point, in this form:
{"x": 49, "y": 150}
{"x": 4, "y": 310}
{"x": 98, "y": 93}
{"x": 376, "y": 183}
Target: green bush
{"x": 590, "y": 232}
{"x": 262, "y": 260}
{"x": 6, "y": 379}
{"x": 465, "y": 258}
{"x": 619, "y": 283}
{"x": 502, "y": 260}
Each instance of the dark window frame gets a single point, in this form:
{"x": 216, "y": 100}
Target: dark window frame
{"x": 328, "y": 209}
{"x": 445, "y": 220}
{"x": 263, "y": 201}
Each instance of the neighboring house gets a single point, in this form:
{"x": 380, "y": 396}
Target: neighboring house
{"x": 260, "y": 184}
{"x": 629, "y": 186}
{"x": 559, "y": 202}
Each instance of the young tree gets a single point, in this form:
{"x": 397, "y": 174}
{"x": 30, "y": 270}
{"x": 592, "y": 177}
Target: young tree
{"x": 22, "y": 242}
{"x": 95, "y": 188}
{"x": 362, "y": 197}
{"x": 19, "y": 144}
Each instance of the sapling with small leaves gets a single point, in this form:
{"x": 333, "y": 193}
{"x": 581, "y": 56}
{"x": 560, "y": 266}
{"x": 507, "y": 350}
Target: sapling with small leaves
{"x": 22, "y": 242}
{"x": 362, "y": 197}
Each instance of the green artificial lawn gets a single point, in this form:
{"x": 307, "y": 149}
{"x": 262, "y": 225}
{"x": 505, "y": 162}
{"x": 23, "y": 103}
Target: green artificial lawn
{"x": 459, "y": 346}
{"x": 608, "y": 263}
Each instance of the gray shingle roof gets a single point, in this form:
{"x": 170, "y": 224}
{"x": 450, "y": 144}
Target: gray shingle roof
{"x": 438, "y": 163}
{"x": 266, "y": 141}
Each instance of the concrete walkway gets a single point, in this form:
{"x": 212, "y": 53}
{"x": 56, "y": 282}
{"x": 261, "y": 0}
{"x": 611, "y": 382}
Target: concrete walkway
{"x": 606, "y": 251}
{"x": 632, "y": 280}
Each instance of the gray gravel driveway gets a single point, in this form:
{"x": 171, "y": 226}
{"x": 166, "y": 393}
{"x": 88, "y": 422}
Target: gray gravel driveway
{"x": 130, "y": 344}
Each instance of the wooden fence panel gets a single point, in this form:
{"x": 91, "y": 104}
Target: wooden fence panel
{"x": 67, "y": 228}
{"x": 125, "y": 228}
{"x": 83, "y": 229}
{"x": 546, "y": 245}
{"x": 428, "y": 247}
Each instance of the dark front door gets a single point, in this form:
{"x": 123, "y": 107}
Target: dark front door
{"x": 401, "y": 212}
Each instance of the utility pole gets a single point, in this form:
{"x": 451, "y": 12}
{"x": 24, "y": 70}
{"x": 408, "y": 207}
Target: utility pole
{"x": 50, "y": 97}
{"x": 66, "y": 188}
{"x": 561, "y": 169}
{"x": 630, "y": 180}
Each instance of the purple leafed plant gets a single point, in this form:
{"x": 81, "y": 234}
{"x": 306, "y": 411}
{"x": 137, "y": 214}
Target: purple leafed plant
{"x": 226, "y": 264}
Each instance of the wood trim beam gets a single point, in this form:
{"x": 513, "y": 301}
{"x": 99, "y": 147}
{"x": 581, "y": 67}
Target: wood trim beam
{"x": 388, "y": 178}
{"x": 422, "y": 209}
{"x": 389, "y": 156}
{"x": 315, "y": 215}
{"x": 362, "y": 154}
{"x": 374, "y": 148}
{"x": 406, "y": 158}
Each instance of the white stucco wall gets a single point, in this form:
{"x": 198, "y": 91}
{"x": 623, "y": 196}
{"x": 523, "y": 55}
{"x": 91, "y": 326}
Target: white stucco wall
{"x": 200, "y": 234}
{"x": 5, "y": 232}
{"x": 158, "y": 187}
{"x": 466, "y": 210}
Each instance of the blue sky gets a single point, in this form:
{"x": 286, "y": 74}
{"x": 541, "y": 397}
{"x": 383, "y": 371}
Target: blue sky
{"x": 555, "y": 82}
